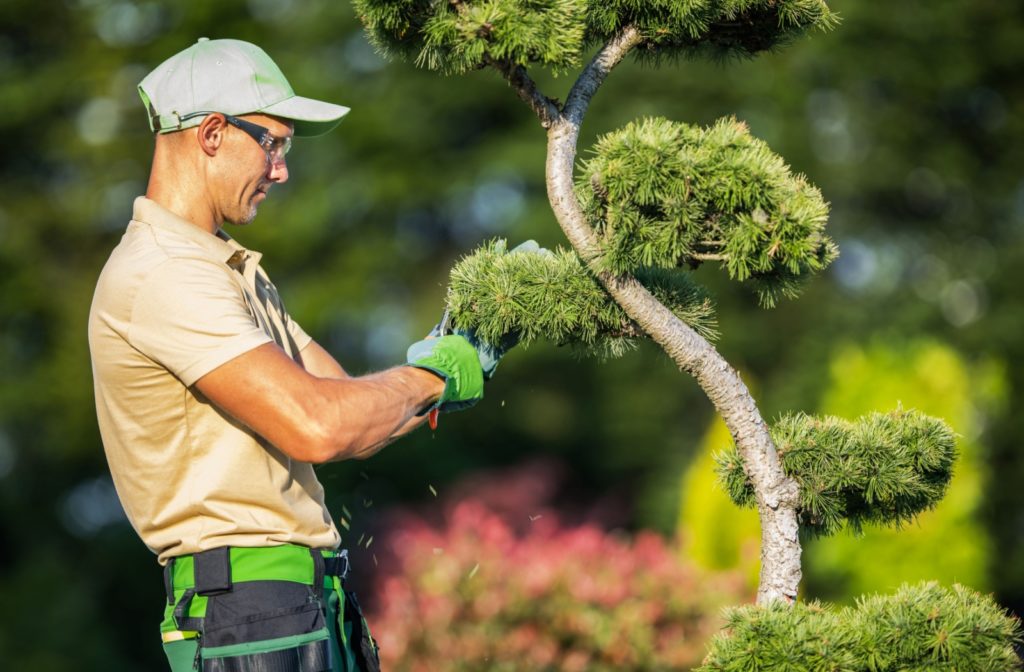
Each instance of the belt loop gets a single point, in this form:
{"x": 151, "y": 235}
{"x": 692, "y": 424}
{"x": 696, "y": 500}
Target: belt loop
{"x": 169, "y": 580}
{"x": 318, "y": 570}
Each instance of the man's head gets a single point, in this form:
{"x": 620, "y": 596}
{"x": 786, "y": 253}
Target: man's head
{"x": 224, "y": 115}
{"x": 225, "y": 166}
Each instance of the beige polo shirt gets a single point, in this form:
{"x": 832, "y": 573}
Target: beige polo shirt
{"x": 173, "y": 303}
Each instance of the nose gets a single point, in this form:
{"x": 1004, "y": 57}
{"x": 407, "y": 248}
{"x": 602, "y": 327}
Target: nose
{"x": 277, "y": 170}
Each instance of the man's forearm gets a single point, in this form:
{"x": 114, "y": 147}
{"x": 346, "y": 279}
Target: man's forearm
{"x": 315, "y": 419}
{"x": 322, "y": 364}
{"x": 369, "y": 451}
{"x": 370, "y": 411}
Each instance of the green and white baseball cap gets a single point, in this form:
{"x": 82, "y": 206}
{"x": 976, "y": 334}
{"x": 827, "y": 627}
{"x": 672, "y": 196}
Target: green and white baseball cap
{"x": 231, "y": 77}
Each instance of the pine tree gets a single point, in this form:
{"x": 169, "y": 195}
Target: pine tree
{"x": 655, "y": 199}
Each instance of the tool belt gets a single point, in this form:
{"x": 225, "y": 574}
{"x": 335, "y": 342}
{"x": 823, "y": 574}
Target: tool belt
{"x": 267, "y": 610}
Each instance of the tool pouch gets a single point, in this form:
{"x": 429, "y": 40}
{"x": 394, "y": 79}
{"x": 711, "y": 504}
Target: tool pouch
{"x": 240, "y": 634}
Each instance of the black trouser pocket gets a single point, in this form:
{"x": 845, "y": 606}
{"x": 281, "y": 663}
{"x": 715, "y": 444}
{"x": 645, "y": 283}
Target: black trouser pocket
{"x": 265, "y": 626}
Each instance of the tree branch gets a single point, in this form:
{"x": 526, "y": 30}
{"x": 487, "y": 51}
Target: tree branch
{"x": 777, "y": 495}
{"x": 545, "y": 108}
{"x": 597, "y": 70}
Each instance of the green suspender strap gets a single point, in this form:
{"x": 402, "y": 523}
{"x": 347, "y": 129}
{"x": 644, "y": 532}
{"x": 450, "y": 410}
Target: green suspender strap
{"x": 269, "y": 609}
{"x": 356, "y": 640}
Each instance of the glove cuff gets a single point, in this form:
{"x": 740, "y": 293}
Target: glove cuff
{"x": 440, "y": 374}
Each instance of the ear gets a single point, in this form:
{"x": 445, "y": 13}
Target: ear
{"x": 210, "y": 133}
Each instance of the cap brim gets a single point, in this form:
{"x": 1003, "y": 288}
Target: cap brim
{"x": 310, "y": 117}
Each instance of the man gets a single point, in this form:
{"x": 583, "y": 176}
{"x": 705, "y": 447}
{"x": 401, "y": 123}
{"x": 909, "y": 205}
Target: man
{"x": 213, "y": 404}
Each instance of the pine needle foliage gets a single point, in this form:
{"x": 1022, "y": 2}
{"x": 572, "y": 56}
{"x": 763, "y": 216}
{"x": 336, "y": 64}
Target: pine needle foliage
{"x": 710, "y": 28}
{"x": 922, "y": 627}
{"x": 667, "y": 194}
{"x": 883, "y": 468}
{"x": 457, "y": 36}
{"x": 495, "y": 292}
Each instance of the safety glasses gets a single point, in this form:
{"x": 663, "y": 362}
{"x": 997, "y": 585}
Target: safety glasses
{"x": 275, "y": 148}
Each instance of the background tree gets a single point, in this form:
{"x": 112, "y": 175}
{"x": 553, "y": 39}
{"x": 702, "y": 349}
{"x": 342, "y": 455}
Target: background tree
{"x": 664, "y": 195}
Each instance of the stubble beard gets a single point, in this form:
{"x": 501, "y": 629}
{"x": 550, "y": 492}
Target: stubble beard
{"x": 244, "y": 217}
{"x": 248, "y": 217}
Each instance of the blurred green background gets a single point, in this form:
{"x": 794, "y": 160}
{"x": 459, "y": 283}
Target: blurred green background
{"x": 909, "y": 117}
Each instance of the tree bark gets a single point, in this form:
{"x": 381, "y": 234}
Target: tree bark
{"x": 777, "y": 495}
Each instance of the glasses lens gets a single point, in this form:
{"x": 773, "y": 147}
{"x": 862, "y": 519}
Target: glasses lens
{"x": 276, "y": 148}
{"x": 282, "y": 147}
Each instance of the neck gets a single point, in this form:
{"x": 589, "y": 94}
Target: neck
{"x": 176, "y": 184}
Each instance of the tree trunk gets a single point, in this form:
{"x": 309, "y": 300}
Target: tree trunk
{"x": 777, "y": 496}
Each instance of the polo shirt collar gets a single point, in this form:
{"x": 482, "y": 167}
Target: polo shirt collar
{"x": 220, "y": 246}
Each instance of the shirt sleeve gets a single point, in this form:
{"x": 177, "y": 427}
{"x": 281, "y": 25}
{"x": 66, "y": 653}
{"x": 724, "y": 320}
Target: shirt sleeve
{"x": 191, "y": 316}
{"x": 298, "y": 334}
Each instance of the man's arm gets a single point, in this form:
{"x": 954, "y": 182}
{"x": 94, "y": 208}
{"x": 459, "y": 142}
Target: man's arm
{"x": 317, "y": 419}
{"x": 322, "y": 364}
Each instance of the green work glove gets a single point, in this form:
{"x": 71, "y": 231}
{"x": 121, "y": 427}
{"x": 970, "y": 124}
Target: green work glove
{"x": 489, "y": 354}
{"x": 455, "y": 360}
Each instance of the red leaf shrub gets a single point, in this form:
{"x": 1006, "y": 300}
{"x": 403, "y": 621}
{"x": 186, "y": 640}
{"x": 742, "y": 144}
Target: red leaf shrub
{"x": 474, "y": 593}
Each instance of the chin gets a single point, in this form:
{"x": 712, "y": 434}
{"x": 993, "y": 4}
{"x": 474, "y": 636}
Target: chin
{"x": 243, "y": 219}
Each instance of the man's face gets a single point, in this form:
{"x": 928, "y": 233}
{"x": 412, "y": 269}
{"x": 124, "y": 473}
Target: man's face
{"x": 248, "y": 170}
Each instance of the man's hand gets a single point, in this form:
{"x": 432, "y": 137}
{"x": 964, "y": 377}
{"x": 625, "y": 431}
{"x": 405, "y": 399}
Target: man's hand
{"x": 454, "y": 360}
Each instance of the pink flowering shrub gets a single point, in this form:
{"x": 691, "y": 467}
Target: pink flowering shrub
{"x": 481, "y": 592}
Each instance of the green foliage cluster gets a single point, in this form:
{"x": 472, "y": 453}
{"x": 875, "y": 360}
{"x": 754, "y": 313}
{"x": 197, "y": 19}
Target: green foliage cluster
{"x": 456, "y": 36}
{"x": 883, "y": 468}
{"x": 950, "y": 543}
{"x": 668, "y": 194}
{"x": 495, "y": 292}
{"x": 920, "y": 627}
{"x": 713, "y": 28}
